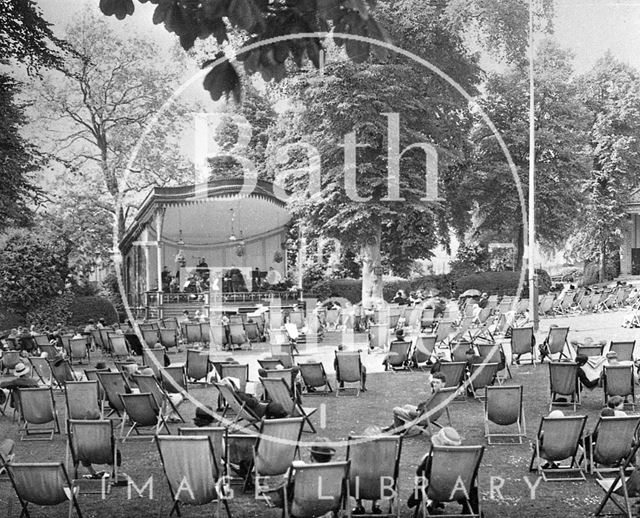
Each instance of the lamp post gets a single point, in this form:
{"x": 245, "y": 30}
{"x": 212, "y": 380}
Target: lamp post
{"x": 533, "y": 290}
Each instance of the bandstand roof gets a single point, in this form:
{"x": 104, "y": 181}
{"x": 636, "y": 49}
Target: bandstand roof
{"x": 203, "y": 213}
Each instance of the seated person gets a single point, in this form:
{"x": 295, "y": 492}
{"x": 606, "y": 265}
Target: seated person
{"x": 401, "y": 298}
{"x": 175, "y": 399}
{"x": 616, "y": 403}
{"x": 407, "y": 413}
{"x": 399, "y": 338}
{"x": 20, "y": 380}
{"x": 554, "y": 414}
{"x": 583, "y": 378}
{"x": 266, "y": 409}
{"x": 590, "y": 439}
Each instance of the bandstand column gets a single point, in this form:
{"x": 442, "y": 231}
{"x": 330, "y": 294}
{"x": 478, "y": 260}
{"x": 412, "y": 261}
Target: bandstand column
{"x": 159, "y": 221}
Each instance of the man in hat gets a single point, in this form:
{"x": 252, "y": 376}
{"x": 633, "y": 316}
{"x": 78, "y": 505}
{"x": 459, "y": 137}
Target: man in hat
{"x": 20, "y": 380}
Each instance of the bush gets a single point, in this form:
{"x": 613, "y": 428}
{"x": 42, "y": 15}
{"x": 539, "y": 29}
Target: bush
{"x": 10, "y": 319}
{"x": 51, "y": 311}
{"x": 84, "y": 308}
{"x": 350, "y": 289}
{"x": 501, "y": 283}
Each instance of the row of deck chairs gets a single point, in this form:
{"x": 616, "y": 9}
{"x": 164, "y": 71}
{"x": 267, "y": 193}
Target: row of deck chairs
{"x": 585, "y": 301}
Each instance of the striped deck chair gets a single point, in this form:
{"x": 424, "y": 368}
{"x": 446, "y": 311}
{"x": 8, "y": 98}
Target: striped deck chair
{"x": 423, "y": 350}
{"x": 278, "y": 391}
{"x": 44, "y": 484}
{"x": 190, "y": 461}
{"x": 37, "y": 414}
{"x": 503, "y": 407}
{"x": 563, "y": 384}
{"x": 619, "y": 381}
{"x": 314, "y": 378}
{"x": 558, "y": 440}
{"x": 318, "y": 489}
{"x": 144, "y": 412}
{"x": 82, "y": 399}
{"x": 375, "y": 466}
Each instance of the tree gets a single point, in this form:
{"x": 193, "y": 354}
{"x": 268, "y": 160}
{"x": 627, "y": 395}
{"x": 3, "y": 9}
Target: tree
{"x": 560, "y": 166}
{"x": 610, "y": 92}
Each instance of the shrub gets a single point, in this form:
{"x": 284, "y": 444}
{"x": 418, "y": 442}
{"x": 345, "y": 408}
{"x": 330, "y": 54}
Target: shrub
{"x": 84, "y": 308}
{"x": 51, "y": 311}
{"x": 350, "y": 289}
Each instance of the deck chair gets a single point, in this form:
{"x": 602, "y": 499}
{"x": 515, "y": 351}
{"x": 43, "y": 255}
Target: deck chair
{"x": 93, "y": 442}
{"x": 61, "y": 372}
{"x": 398, "y": 355}
{"x": 375, "y": 462}
{"x": 453, "y": 372}
{"x": 275, "y": 450}
{"x": 192, "y": 471}
{"x": 378, "y": 336}
{"x": 82, "y": 399}
{"x": 218, "y": 336}
{"x": 170, "y": 323}
{"x": 279, "y": 391}
{"x": 147, "y": 326}
{"x": 40, "y": 340}
{"x": 198, "y": 366}
{"x": 423, "y": 350}
{"x": 522, "y": 342}
{"x": 314, "y": 378}
{"x": 284, "y": 374}
{"x": 270, "y": 364}
{"x": 348, "y": 370}
{"x": 10, "y": 359}
{"x": 438, "y": 405}
{"x": 150, "y": 337}
{"x": 453, "y": 477}
{"x": 590, "y": 350}
{"x": 558, "y": 439}
{"x": 492, "y": 353}
{"x": 218, "y": 436}
{"x": 238, "y": 371}
{"x": 619, "y": 381}
{"x": 168, "y": 338}
{"x": 173, "y": 379}
{"x": 44, "y": 484}
{"x": 555, "y": 343}
{"x": 239, "y": 449}
{"x": 427, "y": 318}
{"x": 612, "y": 441}
{"x": 481, "y": 376}
{"x": 503, "y": 407}
{"x": 41, "y": 369}
{"x": 78, "y": 350}
{"x": 253, "y": 332}
{"x": 154, "y": 359}
{"x": 149, "y": 383}
{"x": 144, "y": 412}
{"x": 242, "y": 412}
{"x": 237, "y": 335}
{"x": 623, "y": 349}
{"x": 563, "y": 382}
{"x": 192, "y": 333}
{"x": 286, "y": 359}
{"x": 96, "y": 336}
{"x": 118, "y": 345}
{"x": 621, "y": 486}
{"x": 318, "y": 489}
{"x": 113, "y": 384}
{"x": 37, "y": 410}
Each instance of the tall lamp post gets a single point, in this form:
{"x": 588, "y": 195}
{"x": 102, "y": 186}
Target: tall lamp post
{"x": 533, "y": 288}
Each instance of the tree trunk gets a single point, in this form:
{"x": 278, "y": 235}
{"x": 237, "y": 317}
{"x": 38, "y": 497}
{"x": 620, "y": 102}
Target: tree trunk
{"x": 603, "y": 261}
{"x": 371, "y": 281}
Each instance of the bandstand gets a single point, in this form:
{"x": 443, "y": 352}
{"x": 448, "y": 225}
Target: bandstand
{"x": 208, "y": 247}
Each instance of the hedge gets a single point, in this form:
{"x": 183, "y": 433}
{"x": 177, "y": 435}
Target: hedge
{"x": 84, "y": 308}
{"x": 501, "y": 283}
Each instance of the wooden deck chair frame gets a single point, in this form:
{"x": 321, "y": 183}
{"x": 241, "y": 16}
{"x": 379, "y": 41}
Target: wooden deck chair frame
{"x": 317, "y": 488}
{"x": 315, "y": 377}
{"x": 493, "y": 352}
{"x": 624, "y": 349}
{"x": 147, "y": 401}
{"x": 346, "y": 372}
{"x": 482, "y": 376}
{"x": 438, "y": 405}
{"x": 82, "y": 400}
{"x": 242, "y": 412}
{"x": 219, "y": 436}
{"x": 616, "y": 436}
{"x": 446, "y": 476}
{"x": 192, "y": 333}
{"x": 279, "y": 391}
{"x": 99, "y": 447}
{"x": 503, "y": 406}
{"x": 27, "y": 488}
{"x": 30, "y": 414}
{"x": 371, "y": 468}
{"x": 618, "y": 380}
{"x": 208, "y": 463}
{"x": 149, "y": 383}
{"x": 609, "y": 486}
{"x": 173, "y": 379}
{"x": 564, "y": 384}
{"x": 571, "y": 443}
{"x": 168, "y": 338}
{"x": 522, "y": 342}
{"x": 78, "y": 350}
{"x": 198, "y": 366}
{"x": 556, "y": 342}
{"x": 111, "y": 382}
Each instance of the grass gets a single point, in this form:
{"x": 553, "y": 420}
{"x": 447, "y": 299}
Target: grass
{"x": 506, "y": 467}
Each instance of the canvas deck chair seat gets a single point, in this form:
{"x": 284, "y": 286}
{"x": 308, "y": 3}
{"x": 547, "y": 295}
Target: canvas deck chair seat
{"x": 279, "y": 391}
{"x": 239, "y": 448}
{"x": 494, "y": 353}
{"x": 427, "y": 318}
{"x": 190, "y": 462}
{"x": 624, "y": 350}
{"x": 238, "y": 336}
{"x": 150, "y": 337}
{"x": 173, "y": 379}
{"x": 453, "y": 372}
{"x": 237, "y": 371}
{"x": 503, "y": 407}
{"x": 555, "y": 343}
{"x": 41, "y": 369}
{"x": 482, "y": 376}
{"x": 590, "y": 350}
{"x": 436, "y": 407}
{"x": 611, "y": 442}
{"x": 422, "y": 351}
{"x": 348, "y": 370}
{"x": 563, "y": 384}
{"x": 217, "y": 435}
{"x": 93, "y": 443}
{"x": 170, "y": 323}
{"x": 168, "y": 338}
{"x": 10, "y": 359}
{"x": 522, "y": 342}
{"x": 558, "y": 440}
{"x": 284, "y": 374}
{"x": 619, "y": 381}
{"x": 253, "y": 332}
{"x": 275, "y": 450}
{"x": 317, "y": 489}
{"x": 78, "y": 351}
{"x": 38, "y": 413}
{"x": 286, "y": 359}
{"x": 148, "y": 383}
{"x": 270, "y": 363}
{"x": 113, "y": 384}
{"x": 375, "y": 465}
{"x": 453, "y": 478}
{"x": 315, "y": 378}
{"x": 238, "y": 407}
{"x": 398, "y": 355}
{"x": 119, "y": 348}
{"x": 154, "y": 359}
{"x": 83, "y": 400}
{"x": 198, "y": 366}
{"x": 61, "y": 372}
{"x": 191, "y": 333}
{"x": 621, "y": 487}
{"x": 43, "y": 484}
{"x": 144, "y": 412}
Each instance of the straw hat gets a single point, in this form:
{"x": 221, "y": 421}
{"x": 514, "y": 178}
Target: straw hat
{"x": 21, "y": 369}
{"x": 554, "y": 414}
{"x": 446, "y": 436}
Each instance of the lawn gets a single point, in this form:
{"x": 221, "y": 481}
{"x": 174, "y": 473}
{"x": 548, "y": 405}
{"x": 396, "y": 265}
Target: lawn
{"x": 503, "y": 467}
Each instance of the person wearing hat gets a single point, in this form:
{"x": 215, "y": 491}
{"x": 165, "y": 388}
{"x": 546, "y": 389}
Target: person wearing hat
{"x": 20, "y": 380}
{"x": 266, "y": 409}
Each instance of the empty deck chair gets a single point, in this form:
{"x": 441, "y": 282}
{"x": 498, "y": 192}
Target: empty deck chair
{"x": 61, "y": 372}
{"x": 37, "y": 413}
{"x": 78, "y": 350}
{"x": 238, "y": 407}
{"x": 611, "y": 442}
{"x": 557, "y": 440}
{"x": 563, "y": 384}
{"x": 168, "y": 338}
{"x": 619, "y": 381}
{"x": 113, "y": 384}
{"x": 93, "y": 442}
{"x": 422, "y": 351}
{"x": 119, "y": 348}
{"x": 198, "y": 366}
{"x": 279, "y": 391}
{"x": 522, "y": 342}
{"x": 314, "y": 378}
{"x": 190, "y": 461}
{"x": 555, "y": 343}
{"x": 375, "y": 465}
{"x": 503, "y": 407}
{"x": 348, "y": 370}
{"x": 192, "y": 333}
{"x": 398, "y": 355}
{"x": 453, "y": 477}
{"x": 318, "y": 489}
{"x": 174, "y": 379}
{"x": 481, "y": 376}
{"x": 624, "y": 350}
{"x": 83, "y": 400}
{"x": 144, "y": 412}
{"x": 44, "y": 484}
